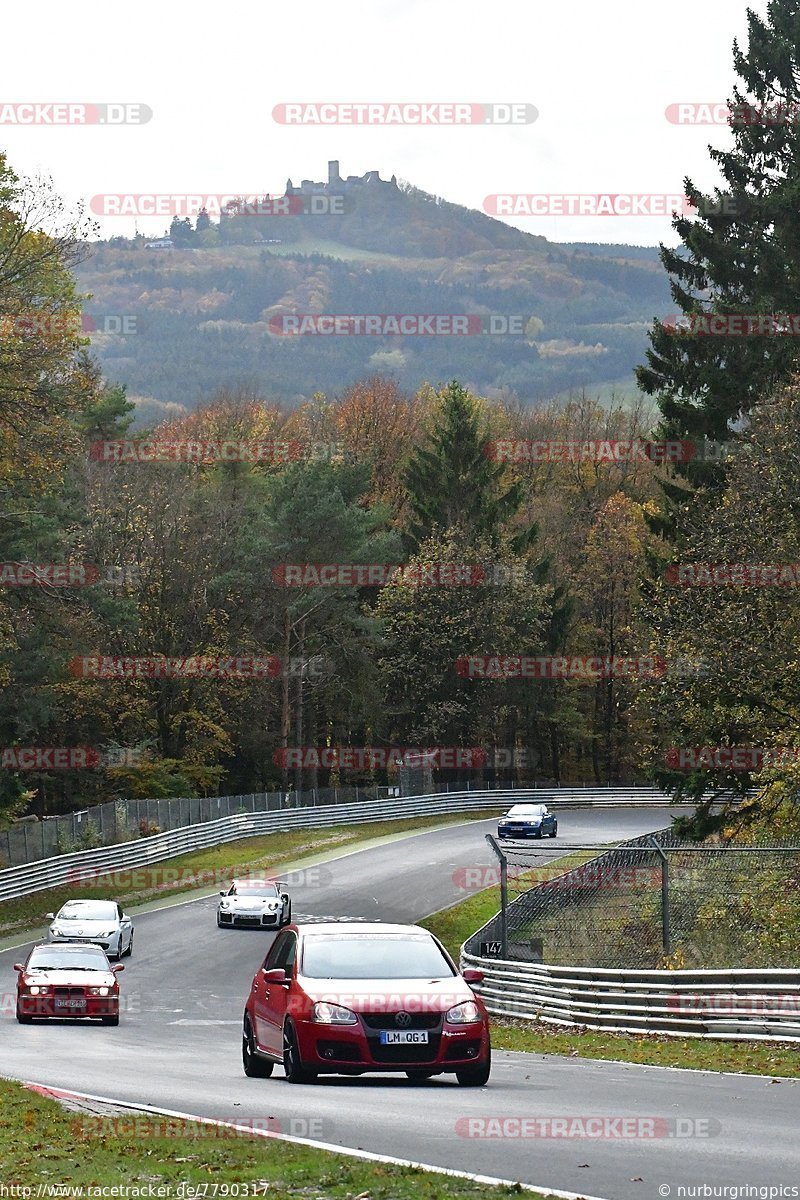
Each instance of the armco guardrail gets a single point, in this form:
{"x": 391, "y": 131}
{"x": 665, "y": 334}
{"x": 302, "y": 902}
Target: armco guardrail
{"x": 122, "y": 819}
{"x": 741, "y": 1003}
{"x": 54, "y": 872}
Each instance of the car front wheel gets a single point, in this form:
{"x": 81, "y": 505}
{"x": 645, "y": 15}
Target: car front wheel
{"x": 110, "y": 1020}
{"x": 23, "y": 1018}
{"x": 292, "y": 1063}
{"x": 475, "y": 1076}
{"x": 254, "y": 1067}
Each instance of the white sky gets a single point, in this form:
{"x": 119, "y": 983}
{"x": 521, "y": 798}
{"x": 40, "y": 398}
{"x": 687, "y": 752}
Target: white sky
{"x": 601, "y": 76}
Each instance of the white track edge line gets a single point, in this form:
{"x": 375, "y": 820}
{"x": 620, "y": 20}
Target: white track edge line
{"x": 348, "y": 1151}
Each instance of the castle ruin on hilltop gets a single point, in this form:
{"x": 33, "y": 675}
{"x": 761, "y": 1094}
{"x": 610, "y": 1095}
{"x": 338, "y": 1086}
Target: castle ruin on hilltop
{"x": 335, "y": 183}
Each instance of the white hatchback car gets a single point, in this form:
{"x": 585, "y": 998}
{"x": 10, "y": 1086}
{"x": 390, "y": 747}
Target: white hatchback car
{"x": 100, "y": 922}
{"x": 254, "y": 902}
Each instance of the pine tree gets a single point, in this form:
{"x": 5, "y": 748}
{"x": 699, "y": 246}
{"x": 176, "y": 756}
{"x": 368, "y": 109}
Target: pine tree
{"x": 451, "y": 481}
{"x": 741, "y": 254}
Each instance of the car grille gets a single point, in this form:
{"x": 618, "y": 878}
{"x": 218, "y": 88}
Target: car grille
{"x": 404, "y": 1052}
{"x": 69, "y": 993}
{"x": 247, "y": 919}
{"x": 389, "y": 1021}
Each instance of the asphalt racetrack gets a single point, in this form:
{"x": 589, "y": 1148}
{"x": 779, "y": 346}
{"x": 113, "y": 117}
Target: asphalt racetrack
{"x": 178, "y": 1047}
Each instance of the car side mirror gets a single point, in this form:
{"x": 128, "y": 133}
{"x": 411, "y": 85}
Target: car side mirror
{"x": 472, "y": 975}
{"x": 49, "y": 916}
{"x": 275, "y": 975}
{"x": 18, "y": 967}
{"x": 117, "y": 967}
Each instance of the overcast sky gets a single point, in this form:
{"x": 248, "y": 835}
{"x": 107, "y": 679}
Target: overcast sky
{"x": 600, "y": 76}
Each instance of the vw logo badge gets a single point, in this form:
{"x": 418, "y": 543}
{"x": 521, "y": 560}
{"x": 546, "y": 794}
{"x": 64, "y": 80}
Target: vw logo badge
{"x": 403, "y": 1019}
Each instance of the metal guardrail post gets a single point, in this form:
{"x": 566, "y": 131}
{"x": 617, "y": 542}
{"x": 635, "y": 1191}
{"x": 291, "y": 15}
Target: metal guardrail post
{"x": 503, "y": 896}
{"x": 666, "y": 939}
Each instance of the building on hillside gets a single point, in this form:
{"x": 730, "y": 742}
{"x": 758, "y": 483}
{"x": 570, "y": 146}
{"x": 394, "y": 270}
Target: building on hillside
{"x": 335, "y": 183}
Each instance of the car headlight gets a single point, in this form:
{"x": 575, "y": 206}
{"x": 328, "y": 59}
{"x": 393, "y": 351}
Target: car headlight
{"x": 99, "y": 991}
{"x": 225, "y": 905}
{"x": 332, "y": 1014}
{"x": 37, "y": 989}
{"x": 56, "y": 930}
{"x": 464, "y": 1014}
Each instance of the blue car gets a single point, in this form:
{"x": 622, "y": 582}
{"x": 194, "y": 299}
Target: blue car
{"x": 527, "y": 821}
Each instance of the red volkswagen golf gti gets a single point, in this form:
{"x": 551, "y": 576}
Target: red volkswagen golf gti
{"x": 345, "y": 998}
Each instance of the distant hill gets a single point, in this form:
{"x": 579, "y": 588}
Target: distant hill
{"x": 203, "y": 314}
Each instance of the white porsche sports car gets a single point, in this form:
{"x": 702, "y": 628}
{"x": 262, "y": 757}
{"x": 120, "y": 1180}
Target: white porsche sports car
{"x": 255, "y": 903}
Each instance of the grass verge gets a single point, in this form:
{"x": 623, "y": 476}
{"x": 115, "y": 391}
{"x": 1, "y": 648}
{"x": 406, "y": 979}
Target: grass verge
{"x": 40, "y": 1143}
{"x": 206, "y": 868}
{"x": 454, "y": 925}
{"x": 652, "y": 1049}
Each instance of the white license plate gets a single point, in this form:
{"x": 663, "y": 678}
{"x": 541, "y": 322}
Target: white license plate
{"x": 404, "y": 1037}
{"x": 70, "y": 1004}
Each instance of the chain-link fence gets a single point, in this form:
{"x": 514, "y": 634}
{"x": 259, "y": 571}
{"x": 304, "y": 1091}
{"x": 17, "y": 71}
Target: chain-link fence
{"x": 654, "y": 901}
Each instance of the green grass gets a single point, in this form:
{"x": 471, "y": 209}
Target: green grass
{"x": 454, "y": 925}
{"x": 41, "y": 1143}
{"x": 751, "y": 1058}
{"x": 210, "y": 868}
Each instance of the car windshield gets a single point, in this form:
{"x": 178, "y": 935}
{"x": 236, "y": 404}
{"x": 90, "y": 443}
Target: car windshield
{"x": 263, "y": 891}
{"x": 88, "y": 910}
{"x": 60, "y": 958}
{"x": 373, "y": 956}
{"x": 527, "y": 810}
